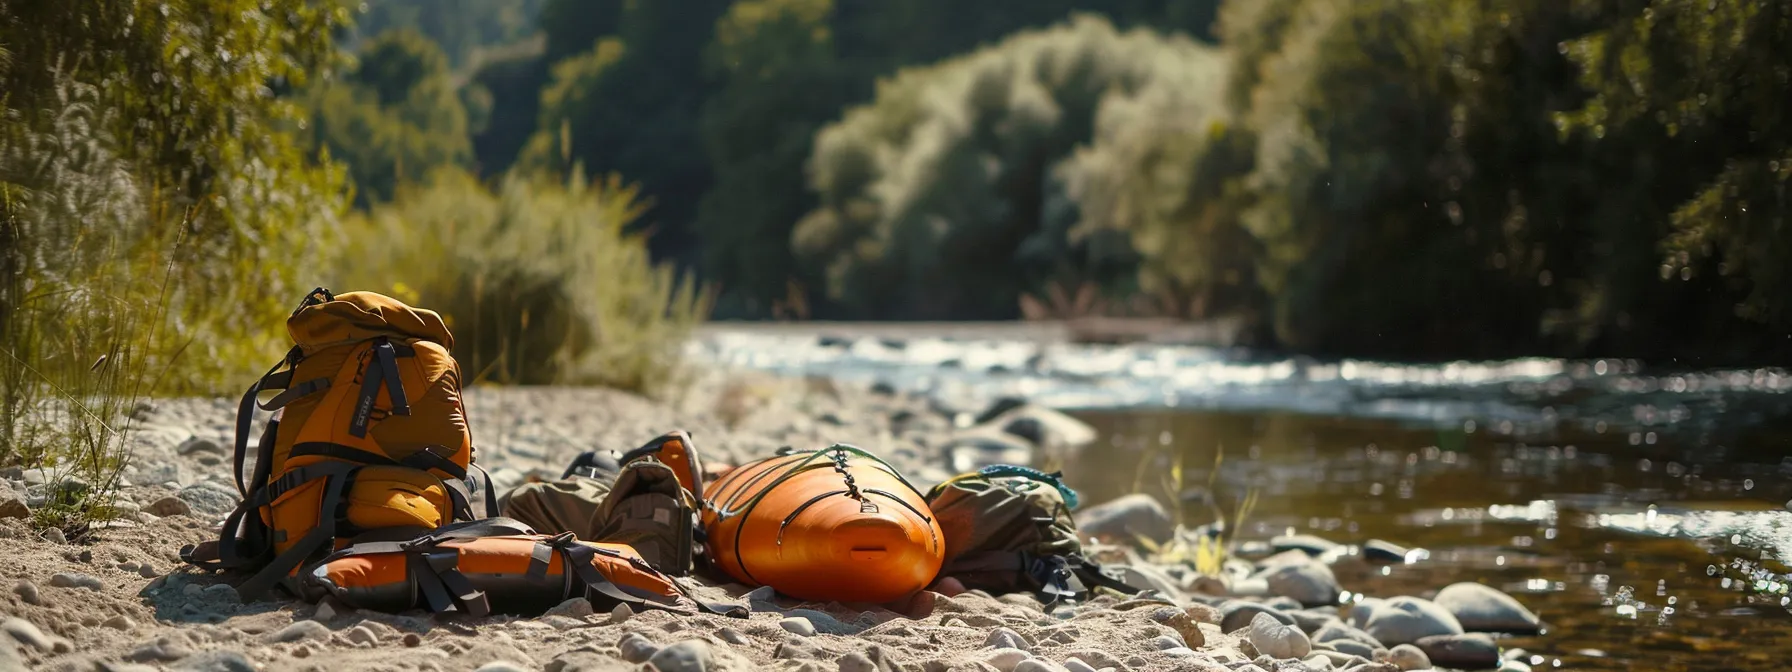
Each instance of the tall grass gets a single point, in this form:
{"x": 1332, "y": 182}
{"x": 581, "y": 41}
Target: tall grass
{"x": 83, "y": 295}
{"x": 539, "y": 279}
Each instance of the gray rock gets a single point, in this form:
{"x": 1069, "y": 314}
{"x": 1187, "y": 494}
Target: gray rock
{"x": 208, "y": 500}
{"x": 197, "y": 445}
{"x": 361, "y": 634}
{"x": 1127, "y": 518}
{"x": 798, "y": 625}
{"x": 1277, "y": 639}
{"x": 1472, "y": 651}
{"x": 1238, "y": 614}
{"x": 1337, "y": 631}
{"x": 1358, "y": 613}
{"x": 14, "y": 507}
{"x": 1165, "y": 643}
{"x": 26, "y": 634}
{"x": 299, "y": 631}
{"x": 621, "y": 613}
{"x": 112, "y": 667}
{"x": 577, "y": 607}
{"x": 974, "y": 449}
{"x": 1310, "y": 583}
{"x": 1376, "y": 550}
{"x": 169, "y": 506}
{"x": 1037, "y": 665}
{"x": 1354, "y": 648}
{"x": 1310, "y": 621}
{"x": 1045, "y": 427}
{"x": 1004, "y": 659}
{"x": 1001, "y": 638}
{"x": 1077, "y": 665}
{"x": 1408, "y": 657}
{"x": 1481, "y": 608}
{"x": 1404, "y": 620}
{"x": 857, "y": 662}
{"x": 147, "y": 571}
{"x": 1146, "y": 577}
{"x": 1305, "y": 543}
{"x": 27, "y": 591}
{"x": 1335, "y": 659}
{"x": 54, "y": 535}
{"x": 637, "y": 648}
{"x": 162, "y": 650}
{"x": 1183, "y": 623}
{"x": 76, "y": 580}
{"x": 691, "y": 655}
{"x": 732, "y": 636}
{"x": 501, "y": 666}
{"x": 222, "y": 660}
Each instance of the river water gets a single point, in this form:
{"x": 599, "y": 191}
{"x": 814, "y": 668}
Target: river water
{"x": 1641, "y": 513}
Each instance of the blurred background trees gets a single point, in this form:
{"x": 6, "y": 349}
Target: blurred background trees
{"x": 1380, "y": 178}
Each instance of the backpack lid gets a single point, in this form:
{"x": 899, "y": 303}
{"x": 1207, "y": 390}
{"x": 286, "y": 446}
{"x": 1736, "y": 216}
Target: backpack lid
{"x": 358, "y": 316}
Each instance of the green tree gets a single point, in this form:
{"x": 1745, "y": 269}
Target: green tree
{"x": 637, "y": 113}
{"x": 394, "y": 117}
{"x": 938, "y": 198}
{"x": 465, "y": 29}
{"x": 781, "y": 82}
{"x": 186, "y": 96}
{"x": 1698, "y": 91}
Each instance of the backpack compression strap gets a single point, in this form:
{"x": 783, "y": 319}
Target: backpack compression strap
{"x": 1056, "y": 575}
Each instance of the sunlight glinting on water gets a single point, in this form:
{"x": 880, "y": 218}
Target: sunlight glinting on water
{"x": 1514, "y": 393}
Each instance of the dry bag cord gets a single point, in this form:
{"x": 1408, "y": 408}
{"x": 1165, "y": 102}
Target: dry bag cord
{"x": 852, "y": 488}
{"x": 839, "y": 453}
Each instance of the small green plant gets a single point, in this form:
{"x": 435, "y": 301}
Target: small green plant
{"x": 79, "y": 318}
{"x": 541, "y": 280}
{"x": 1207, "y": 549}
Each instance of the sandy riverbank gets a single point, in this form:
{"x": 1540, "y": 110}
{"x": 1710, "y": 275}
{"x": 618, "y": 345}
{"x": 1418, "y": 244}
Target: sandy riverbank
{"x": 122, "y": 600}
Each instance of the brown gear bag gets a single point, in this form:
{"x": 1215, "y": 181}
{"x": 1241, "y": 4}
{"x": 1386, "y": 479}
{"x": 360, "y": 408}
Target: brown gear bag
{"x": 369, "y": 441}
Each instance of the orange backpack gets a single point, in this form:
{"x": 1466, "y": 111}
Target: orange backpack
{"x": 369, "y": 440}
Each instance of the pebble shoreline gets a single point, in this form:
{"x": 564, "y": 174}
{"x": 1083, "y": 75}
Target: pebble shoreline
{"x": 123, "y": 601}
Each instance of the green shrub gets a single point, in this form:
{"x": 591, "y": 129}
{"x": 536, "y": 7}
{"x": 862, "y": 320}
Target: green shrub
{"x": 539, "y": 281}
{"x": 79, "y": 312}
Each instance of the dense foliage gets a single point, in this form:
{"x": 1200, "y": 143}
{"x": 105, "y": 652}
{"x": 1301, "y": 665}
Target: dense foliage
{"x": 538, "y": 278}
{"x": 1390, "y": 178}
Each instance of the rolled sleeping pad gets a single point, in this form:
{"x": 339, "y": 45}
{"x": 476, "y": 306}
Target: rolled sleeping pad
{"x": 835, "y": 524}
{"x": 481, "y": 573}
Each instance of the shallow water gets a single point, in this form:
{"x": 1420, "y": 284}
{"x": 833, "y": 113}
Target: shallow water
{"x": 1652, "y": 557}
{"x": 1641, "y": 513}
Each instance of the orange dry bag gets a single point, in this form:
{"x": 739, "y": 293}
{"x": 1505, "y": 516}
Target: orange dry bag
{"x": 495, "y": 565}
{"x": 835, "y": 524}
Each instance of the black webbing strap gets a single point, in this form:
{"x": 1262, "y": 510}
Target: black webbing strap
{"x": 444, "y": 567}
{"x": 491, "y": 492}
{"x": 460, "y": 500}
{"x": 422, "y": 460}
{"x": 314, "y": 540}
{"x": 381, "y": 370}
{"x": 578, "y": 558}
{"x": 487, "y": 527}
{"x": 1091, "y": 572}
{"x": 294, "y": 392}
{"x": 245, "y": 415}
{"x": 296, "y": 477}
{"x": 434, "y": 592}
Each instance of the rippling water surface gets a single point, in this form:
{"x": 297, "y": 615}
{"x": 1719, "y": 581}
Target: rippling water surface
{"x": 1642, "y": 513}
